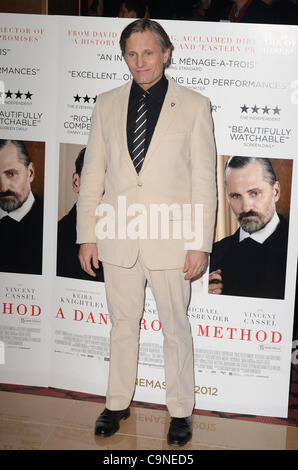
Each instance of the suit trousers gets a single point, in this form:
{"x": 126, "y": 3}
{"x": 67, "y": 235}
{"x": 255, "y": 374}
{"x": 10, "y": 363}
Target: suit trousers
{"x": 125, "y": 292}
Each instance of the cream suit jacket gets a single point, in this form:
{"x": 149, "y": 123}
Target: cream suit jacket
{"x": 179, "y": 168}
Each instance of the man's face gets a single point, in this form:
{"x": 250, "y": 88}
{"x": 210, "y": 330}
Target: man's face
{"x": 145, "y": 59}
{"x": 251, "y": 197}
{"x": 124, "y": 13}
{"x": 15, "y": 179}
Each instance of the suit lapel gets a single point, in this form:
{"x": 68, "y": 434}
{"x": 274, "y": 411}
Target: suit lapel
{"x": 120, "y": 120}
{"x": 169, "y": 111}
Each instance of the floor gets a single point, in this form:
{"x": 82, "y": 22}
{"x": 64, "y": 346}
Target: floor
{"x": 51, "y": 423}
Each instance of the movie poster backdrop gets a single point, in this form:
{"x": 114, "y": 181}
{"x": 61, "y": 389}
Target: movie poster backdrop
{"x": 242, "y": 344}
{"x": 28, "y": 90}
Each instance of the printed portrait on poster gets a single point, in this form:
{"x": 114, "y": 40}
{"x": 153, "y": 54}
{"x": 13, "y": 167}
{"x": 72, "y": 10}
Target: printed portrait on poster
{"x": 250, "y": 255}
{"x": 21, "y": 206}
{"x": 70, "y": 166}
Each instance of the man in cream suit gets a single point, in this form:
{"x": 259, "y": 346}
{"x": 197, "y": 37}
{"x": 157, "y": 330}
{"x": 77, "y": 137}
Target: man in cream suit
{"x": 151, "y": 145}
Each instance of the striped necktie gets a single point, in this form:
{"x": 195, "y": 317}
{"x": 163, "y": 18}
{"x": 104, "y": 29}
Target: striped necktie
{"x": 138, "y": 152}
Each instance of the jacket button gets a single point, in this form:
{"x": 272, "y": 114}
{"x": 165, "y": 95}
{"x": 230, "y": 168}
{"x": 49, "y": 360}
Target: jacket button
{"x": 140, "y": 183}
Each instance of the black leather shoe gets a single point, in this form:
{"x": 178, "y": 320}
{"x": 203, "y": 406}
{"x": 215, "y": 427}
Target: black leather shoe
{"x": 108, "y": 422}
{"x": 180, "y": 431}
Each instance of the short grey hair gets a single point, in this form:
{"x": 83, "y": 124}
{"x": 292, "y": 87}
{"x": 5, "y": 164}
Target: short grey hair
{"x": 144, "y": 24}
{"x": 23, "y": 154}
{"x": 240, "y": 162}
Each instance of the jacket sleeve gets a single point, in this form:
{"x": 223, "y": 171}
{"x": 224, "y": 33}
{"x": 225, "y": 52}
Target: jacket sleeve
{"x": 92, "y": 181}
{"x": 203, "y": 172}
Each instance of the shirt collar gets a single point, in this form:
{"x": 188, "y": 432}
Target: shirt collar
{"x": 261, "y": 235}
{"x": 157, "y": 91}
{"x": 19, "y": 213}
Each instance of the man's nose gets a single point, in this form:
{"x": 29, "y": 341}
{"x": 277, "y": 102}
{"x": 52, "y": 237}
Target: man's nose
{"x": 140, "y": 61}
{"x": 246, "y": 205}
{"x": 3, "y": 185}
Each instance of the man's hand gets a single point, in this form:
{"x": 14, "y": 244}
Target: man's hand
{"x": 215, "y": 282}
{"x": 195, "y": 264}
{"x": 88, "y": 255}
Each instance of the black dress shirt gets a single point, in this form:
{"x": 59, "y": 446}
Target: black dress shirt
{"x": 156, "y": 98}
{"x": 253, "y": 269}
{"x": 68, "y": 264}
{"x": 21, "y": 242}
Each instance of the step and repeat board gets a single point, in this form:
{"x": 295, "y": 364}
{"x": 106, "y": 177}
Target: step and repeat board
{"x": 54, "y": 320}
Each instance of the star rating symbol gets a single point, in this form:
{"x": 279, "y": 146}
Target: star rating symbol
{"x": 244, "y": 108}
{"x": 19, "y": 94}
{"x": 86, "y": 98}
{"x": 260, "y": 110}
{"x": 266, "y": 110}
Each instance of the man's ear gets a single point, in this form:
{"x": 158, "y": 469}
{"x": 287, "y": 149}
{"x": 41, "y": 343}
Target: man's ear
{"x": 276, "y": 191}
{"x": 76, "y": 182}
{"x": 31, "y": 172}
{"x": 166, "y": 56}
